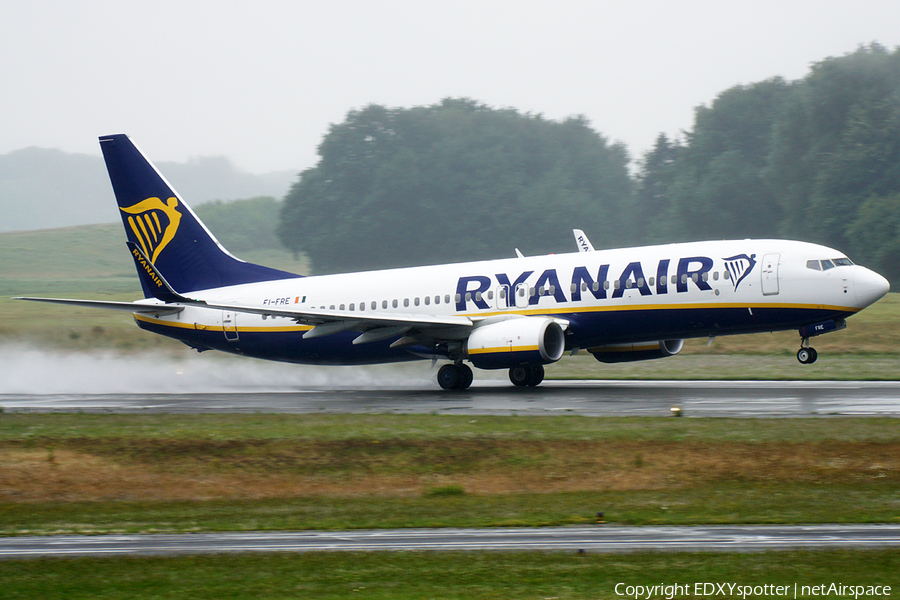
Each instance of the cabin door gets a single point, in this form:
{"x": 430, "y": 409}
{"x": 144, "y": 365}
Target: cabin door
{"x": 229, "y": 325}
{"x": 770, "y": 274}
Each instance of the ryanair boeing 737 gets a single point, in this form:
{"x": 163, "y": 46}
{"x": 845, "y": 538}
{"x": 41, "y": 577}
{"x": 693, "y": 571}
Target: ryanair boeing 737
{"x": 518, "y": 314}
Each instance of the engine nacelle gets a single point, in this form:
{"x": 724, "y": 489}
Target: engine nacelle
{"x": 516, "y": 341}
{"x": 616, "y": 353}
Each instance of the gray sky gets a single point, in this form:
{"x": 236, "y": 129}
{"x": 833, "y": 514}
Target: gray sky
{"x": 260, "y": 81}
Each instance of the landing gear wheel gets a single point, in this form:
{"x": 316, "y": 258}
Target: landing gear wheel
{"x": 467, "y": 377}
{"x": 520, "y": 375}
{"x": 807, "y": 356}
{"x": 526, "y": 375}
{"x": 455, "y": 377}
{"x": 449, "y": 377}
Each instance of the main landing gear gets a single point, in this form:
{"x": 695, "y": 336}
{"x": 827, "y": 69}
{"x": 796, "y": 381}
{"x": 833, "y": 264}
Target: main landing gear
{"x": 806, "y": 355}
{"x": 455, "y": 376}
{"x": 526, "y": 375}
{"x": 458, "y": 376}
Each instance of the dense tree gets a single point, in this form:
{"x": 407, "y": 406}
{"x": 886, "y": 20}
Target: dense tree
{"x": 713, "y": 186}
{"x": 243, "y": 225}
{"x": 454, "y": 181}
{"x": 837, "y": 144}
{"x": 816, "y": 159}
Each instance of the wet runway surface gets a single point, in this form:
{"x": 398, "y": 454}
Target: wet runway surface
{"x": 590, "y": 398}
{"x": 745, "y": 538}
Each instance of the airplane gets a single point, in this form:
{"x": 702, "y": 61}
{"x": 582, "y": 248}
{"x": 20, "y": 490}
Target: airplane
{"x": 518, "y": 314}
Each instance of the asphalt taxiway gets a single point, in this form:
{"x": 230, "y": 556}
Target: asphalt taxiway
{"x": 589, "y": 398}
{"x": 740, "y": 538}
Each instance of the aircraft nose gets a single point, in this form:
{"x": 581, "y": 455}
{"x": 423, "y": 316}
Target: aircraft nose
{"x": 869, "y": 286}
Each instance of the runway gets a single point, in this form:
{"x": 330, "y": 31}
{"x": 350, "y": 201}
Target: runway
{"x": 574, "y": 539}
{"x": 588, "y": 398}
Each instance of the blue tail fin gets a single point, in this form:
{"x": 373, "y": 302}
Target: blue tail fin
{"x": 167, "y": 231}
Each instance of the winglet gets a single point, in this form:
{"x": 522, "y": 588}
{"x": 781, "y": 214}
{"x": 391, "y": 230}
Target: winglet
{"x": 153, "y": 280}
{"x": 584, "y": 244}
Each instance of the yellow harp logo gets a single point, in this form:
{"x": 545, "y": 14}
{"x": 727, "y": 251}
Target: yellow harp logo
{"x": 154, "y": 224}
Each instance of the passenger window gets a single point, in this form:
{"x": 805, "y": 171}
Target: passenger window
{"x": 674, "y": 279}
{"x": 478, "y": 296}
{"x": 416, "y": 301}
{"x": 446, "y": 298}
{"x": 437, "y": 299}
{"x": 331, "y": 307}
{"x": 606, "y": 285}
{"x": 650, "y": 282}
{"x": 457, "y": 297}
{"x": 715, "y": 275}
{"x": 705, "y": 277}
{"x": 428, "y": 298}
{"x": 375, "y": 305}
{"x": 405, "y": 302}
{"x": 726, "y": 275}
{"x": 394, "y": 303}
{"x": 362, "y": 306}
{"x": 342, "y": 307}
{"x": 352, "y": 306}
{"x": 617, "y": 284}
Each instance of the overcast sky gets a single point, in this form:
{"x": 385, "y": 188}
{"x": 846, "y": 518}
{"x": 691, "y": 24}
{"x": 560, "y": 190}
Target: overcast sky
{"x": 260, "y": 82}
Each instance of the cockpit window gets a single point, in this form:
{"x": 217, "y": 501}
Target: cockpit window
{"x": 824, "y": 265}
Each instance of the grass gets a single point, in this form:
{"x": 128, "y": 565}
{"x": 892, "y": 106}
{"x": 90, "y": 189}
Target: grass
{"x": 440, "y": 575}
{"x": 138, "y": 473}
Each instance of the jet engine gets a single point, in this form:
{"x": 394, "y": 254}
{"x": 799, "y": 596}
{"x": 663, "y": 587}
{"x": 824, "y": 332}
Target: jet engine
{"x": 616, "y": 353}
{"x": 515, "y": 341}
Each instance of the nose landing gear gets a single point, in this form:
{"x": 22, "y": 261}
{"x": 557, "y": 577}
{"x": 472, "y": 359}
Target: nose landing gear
{"x": 806, "y": 355}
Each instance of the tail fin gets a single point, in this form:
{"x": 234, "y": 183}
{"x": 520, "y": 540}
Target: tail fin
{"x": 168, "y": 232}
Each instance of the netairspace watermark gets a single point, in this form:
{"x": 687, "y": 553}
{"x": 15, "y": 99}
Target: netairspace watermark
{"x": 671, "y": 591}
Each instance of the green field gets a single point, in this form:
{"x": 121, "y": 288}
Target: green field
{"x": 76, "y": 473}
{"x": 439, "y": 575}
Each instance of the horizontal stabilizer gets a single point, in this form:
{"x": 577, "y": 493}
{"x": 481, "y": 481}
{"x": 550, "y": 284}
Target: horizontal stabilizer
{"x": 133, "y": 307}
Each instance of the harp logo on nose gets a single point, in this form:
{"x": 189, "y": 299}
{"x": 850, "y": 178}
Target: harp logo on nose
{"x": 739, "y": 267}
{"x": 154, "y": 224}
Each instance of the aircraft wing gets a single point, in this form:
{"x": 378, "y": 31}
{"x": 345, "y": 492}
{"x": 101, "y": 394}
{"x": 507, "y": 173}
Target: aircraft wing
{"x": 373, "y": 326}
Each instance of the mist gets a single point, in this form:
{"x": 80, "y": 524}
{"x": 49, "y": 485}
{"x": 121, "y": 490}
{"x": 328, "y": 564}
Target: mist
{"x": 34, "y": 371}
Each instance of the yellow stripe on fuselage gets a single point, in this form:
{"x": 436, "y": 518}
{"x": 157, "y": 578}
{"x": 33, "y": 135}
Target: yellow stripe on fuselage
{"x": 500, "y": 349}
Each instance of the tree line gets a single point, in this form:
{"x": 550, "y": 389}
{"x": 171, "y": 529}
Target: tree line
{"x": 817, "y": 159}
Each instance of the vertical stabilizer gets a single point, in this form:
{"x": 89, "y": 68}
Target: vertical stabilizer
{"x": 167, "y": 231}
